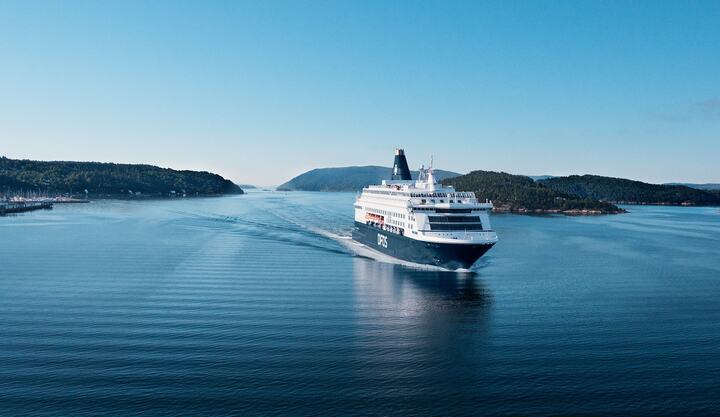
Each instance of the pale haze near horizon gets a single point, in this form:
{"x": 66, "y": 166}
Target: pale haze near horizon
{"x": 262, "y": 91}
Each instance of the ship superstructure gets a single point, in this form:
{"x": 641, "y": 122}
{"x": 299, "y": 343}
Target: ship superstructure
{"x": 422, "y": 221}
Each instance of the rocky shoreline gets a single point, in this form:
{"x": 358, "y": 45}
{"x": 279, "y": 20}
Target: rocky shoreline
{"x": 572, "y": 212}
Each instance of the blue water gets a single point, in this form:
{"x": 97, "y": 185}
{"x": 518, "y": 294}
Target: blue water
{"x": 259, "y": 305}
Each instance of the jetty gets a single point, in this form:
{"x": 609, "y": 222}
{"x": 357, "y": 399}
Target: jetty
{"x": 11, "y": 207}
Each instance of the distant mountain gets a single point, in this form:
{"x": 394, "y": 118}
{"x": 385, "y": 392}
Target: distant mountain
{"x": 108, "y": 180}
{"x": 707, "y": 186}
{"x": 247, "y": 186}
{"x": 623, "y": 191}
{"x": 347, "y": 178}
{"x": 518, "y": 193}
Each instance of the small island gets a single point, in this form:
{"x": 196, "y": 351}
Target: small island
{"x": 521, "y": 194}
{"x": 108, "y": 180}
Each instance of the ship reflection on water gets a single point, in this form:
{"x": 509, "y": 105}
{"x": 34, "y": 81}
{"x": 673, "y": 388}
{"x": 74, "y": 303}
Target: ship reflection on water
{"x": 418, "y": 291}
{"x": 419, "y": 325}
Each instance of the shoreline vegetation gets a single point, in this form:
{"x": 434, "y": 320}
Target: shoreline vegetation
{"x": 523, "y": 195}
{"x": 630, "y": 192}
{"x": 569, "y": 212}
{"x": 100, "y": 180}
{"x": 575, "y": 195}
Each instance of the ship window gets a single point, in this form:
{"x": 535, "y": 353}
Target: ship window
{"x": 432, "y": 201}
{"x": 459, "y": 211}
{"x": 422, "y": 201}
{"x": 446, "y": 226}
{"x": 454, "y": 219}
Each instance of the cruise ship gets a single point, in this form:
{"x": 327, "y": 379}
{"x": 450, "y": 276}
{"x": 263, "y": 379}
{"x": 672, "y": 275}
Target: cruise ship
{"x": 421, "y": 221}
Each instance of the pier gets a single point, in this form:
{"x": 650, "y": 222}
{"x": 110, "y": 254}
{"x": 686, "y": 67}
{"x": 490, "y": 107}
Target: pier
{"x": 21, "y": 207}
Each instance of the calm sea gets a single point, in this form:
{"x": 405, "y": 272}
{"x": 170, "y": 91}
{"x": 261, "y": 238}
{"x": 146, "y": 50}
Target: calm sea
{"x": 257, "y": 305}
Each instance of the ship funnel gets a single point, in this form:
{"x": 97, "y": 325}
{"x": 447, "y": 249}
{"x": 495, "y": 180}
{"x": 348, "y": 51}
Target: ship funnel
{"x": 401, "y": 171}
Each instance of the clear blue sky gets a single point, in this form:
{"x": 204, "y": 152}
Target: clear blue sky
{"x": 261, "y": 91}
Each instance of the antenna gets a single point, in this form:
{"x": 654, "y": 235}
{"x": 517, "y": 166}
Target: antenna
{"x": 431, "y": 174}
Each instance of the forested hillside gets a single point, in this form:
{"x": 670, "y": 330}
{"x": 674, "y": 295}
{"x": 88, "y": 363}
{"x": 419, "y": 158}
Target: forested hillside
{"x": 107, "y": 179}
{"x": 518, "y": 193}
{"x": 620, "y": 190}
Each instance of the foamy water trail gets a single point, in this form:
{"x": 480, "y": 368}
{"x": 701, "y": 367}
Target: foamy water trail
{"x": 341, "y": 234}
{"x": 353, "y": 247}
{"x": 288, "y": 219}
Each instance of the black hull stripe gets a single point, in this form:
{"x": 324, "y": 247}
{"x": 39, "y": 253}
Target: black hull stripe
{"x": 446, "y": 255}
